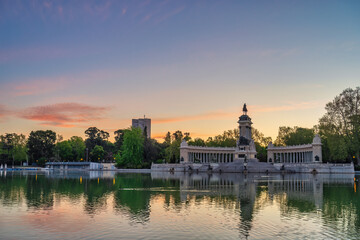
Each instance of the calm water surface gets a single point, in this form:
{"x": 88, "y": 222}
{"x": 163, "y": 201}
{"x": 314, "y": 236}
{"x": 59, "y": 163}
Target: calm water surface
{"x": 96, "y": 205}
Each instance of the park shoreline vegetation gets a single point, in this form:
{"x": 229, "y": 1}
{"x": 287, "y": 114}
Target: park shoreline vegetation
{"x": 339, "y": 130}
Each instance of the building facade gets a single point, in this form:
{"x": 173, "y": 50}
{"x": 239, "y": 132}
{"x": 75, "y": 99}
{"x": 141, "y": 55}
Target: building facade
{"x": 241, "y": 158}
{"x": 245, "y": 147}
{"x": 143, "y": 123}
{"x": 244, "y": 150}
{"x": 307, "y": 153}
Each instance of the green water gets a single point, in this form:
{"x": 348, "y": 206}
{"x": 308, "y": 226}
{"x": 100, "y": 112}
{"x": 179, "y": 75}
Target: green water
{"x": 96, "y": 205}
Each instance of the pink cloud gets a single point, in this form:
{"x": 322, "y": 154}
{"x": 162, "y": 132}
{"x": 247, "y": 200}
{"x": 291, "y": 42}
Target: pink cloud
{"x": 3, "y": 111}
{"x": 64, "y": 114}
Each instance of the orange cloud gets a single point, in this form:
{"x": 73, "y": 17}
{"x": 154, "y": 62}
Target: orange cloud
{"x": 64, "y": 114}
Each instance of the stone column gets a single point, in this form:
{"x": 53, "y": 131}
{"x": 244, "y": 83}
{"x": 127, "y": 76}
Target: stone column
{"x": 303, "y": 157}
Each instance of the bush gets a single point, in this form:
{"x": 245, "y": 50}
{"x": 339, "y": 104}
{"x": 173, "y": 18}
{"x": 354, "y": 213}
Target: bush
{"x": 159, "y": 161}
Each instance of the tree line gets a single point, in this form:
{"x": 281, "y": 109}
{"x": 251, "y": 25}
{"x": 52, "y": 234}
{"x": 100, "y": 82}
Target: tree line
{"x": 339, "y": 130}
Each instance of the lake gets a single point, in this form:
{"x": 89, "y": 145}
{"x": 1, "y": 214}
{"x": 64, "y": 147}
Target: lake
{"x": 108, "y": 205}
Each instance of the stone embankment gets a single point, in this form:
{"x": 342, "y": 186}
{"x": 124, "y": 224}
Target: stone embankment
{"x": 254, "y": 166}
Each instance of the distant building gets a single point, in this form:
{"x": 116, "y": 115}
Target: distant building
{"x": 143, "y": 123}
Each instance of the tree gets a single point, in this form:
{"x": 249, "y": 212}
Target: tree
{"x": 261, "y": 143}
{"x": 119, "y": 138}
{"x": 132, "y": 149}
{"x": 41, "y": 144}
{"x": 78, "y": 148}
{"x": 187, "y": 136}
{"x": 172, "y": 150}
{"x": 95, "y": 137}
{"x": 167, "y": 138}
{"x": 283, "y": 132}
{"x": 197, "y": 142}
{"x": 288, "y": 136}
{"x": 341, "y": 123}
{"x": 65, "y": 151}
{"x": 97, "y": 154}
{"x": 14, "y": 147}
{"x": 227, "y": 139}
{"x": 152, "y": 150}
{"x": 259, "y": 138}
{"x": 177, "y": 136}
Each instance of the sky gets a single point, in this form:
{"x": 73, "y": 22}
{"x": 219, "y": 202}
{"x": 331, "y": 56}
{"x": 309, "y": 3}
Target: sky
{"x": 187, "y": 65}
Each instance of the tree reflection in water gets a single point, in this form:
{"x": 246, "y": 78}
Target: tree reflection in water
{"x": 246, "y": 195}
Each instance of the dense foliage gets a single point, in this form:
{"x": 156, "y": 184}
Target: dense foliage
{"x": 132, "y": 149}
{"x": 340, "y": 127}
{"x": 41, "y": 144}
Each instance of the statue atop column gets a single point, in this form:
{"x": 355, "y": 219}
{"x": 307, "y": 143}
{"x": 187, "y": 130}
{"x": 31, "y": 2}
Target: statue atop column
{"x": 245, "y": 145}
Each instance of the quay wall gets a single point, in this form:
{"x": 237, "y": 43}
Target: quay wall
{"x": 253, "y": 166}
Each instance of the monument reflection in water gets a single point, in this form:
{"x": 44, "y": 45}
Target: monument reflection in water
{"x": 90, "y": 205}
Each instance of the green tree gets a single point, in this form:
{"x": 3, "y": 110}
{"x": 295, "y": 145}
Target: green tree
{"x": 288, "y": 136}
{"x": 281, "y": 138}
{"x": 152, "y": 150}
{"x": 172, "y": 150}
{"x": 78, "y": 148}
{"x": 167, "y": 139}
{"x": 132, "y": 149}
{"x": 65, "y": 151}
{"x": 41, "y": 144}
{"x": 197, "y": 142}
{"x": 260, "y": 138}
{"x": 14, "y": 147}
{"x": 95, "y": 137}
{"x": 342, "y": 120}
{"x": 119, "y": 138}
{"x": 178, "y": 136}
{"x": 97, "y": 154}
{"x": 227, "y": 139}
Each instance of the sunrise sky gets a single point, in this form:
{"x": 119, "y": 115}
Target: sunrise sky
{"x": 187, "y": 65}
